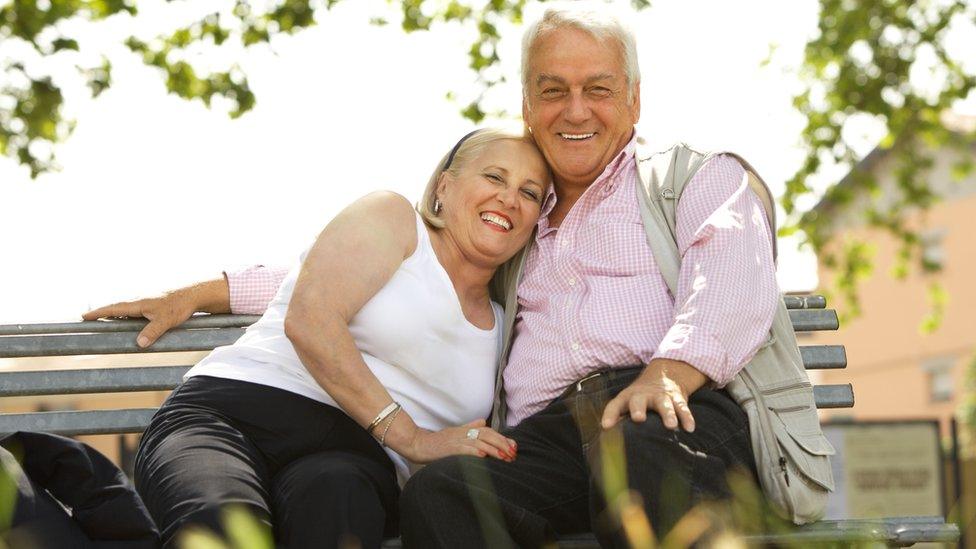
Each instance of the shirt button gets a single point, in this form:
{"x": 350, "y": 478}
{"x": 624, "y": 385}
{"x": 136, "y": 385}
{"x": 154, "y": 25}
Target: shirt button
{"x": 575, "y": 346}
{"x": 571, "y": 281}
{"x": 565, "y": 243}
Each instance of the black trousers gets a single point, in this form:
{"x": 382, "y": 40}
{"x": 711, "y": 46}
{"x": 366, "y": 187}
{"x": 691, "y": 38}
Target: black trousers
{"x": 556, "y": 485}
{"x": 302, "y": 466}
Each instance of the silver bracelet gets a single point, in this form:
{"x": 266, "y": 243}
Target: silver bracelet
{"x": 382, "y": 415}
{"x": 393, "y": 417}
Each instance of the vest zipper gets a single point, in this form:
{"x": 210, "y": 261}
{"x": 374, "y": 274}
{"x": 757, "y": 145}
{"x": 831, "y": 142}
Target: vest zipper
{"x": 771, "y": 435}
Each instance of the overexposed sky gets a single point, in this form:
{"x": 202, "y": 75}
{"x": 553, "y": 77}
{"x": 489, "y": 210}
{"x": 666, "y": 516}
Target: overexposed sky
{"x": 157, "y": 192}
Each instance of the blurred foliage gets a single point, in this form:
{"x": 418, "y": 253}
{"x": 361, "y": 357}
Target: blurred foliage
{"x": 967, "y": 410}
{"x": 885, "y": 61}
{"x": 10, "y": 472}
{"x": 33, "y": 115}
{"x": 707, "y": 524}
{"x": 244, "y": 531}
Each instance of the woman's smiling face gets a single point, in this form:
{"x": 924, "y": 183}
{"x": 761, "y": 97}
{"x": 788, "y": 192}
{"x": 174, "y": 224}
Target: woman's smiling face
{"x": 492, "y": 202}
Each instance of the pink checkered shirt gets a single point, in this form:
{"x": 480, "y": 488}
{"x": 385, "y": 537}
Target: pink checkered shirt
{"x": 592, "y": 297}
{"x": 253, "y": 288}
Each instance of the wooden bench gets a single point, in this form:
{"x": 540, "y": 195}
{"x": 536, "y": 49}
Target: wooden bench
{"x": 203, "y": 333}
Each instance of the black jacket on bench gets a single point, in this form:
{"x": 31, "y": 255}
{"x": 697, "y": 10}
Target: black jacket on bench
{"x": 71, "y": 496}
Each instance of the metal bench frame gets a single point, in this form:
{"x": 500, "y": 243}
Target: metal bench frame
{"x": 204, "y": 332}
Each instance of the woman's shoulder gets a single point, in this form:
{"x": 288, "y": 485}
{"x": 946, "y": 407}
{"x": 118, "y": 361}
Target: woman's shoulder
{"x": 386, "y": 203}
{"x": 388, "y": 215}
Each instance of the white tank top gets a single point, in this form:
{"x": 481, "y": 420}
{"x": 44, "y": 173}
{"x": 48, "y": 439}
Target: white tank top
{"x": 412, "y": 335}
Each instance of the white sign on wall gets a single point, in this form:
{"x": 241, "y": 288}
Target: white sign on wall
{"x": 885, "y": 469}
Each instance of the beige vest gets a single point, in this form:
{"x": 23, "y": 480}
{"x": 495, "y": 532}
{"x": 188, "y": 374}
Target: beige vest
{"x": 790, "y": 449}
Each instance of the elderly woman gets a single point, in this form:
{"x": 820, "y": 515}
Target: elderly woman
{"x": 376, "y": 355}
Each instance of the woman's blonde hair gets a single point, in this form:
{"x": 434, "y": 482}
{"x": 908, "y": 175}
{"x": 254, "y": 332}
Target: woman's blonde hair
{"x": 469, "y": 147}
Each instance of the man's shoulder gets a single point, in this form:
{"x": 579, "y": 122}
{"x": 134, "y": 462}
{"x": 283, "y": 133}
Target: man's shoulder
{"x": 646, "y": 151}
{"x": 681, "y": 154}
{"x": 676, "y": 164}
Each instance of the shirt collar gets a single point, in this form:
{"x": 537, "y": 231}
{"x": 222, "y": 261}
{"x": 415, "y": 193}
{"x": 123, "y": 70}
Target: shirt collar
{"x": 607, "y": 176}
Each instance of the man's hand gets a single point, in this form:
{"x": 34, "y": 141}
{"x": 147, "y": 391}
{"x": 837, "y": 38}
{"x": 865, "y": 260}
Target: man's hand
{"x": 663, "y": 386}
{"x": 168, "y": 310}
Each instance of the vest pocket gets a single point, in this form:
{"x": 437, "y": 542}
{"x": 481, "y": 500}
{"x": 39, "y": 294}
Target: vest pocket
{"x": 797, "y": 430}
{"x": 792, "y": 455}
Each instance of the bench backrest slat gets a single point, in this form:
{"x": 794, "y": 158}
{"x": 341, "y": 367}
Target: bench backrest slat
{"x": 805, "y": 301}
{"x": 135, "y": 420}
{"x": 834, "y": 396}
{"x": 157, "y": 378}
{"x": 823, "y": 357}
{"x": 114, "y": 343}
{"x": 125, "y": 325}
{"x": 240, "y": 321}
{"x": 91, "y": 380}
{"x": 814, "y": 320}
{"x": 85, "y": 422}
{"x": 83, "y": 339}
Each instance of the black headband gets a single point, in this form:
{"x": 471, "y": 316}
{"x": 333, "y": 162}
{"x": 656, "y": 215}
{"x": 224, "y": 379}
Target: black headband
{"x": 450, "y": 157}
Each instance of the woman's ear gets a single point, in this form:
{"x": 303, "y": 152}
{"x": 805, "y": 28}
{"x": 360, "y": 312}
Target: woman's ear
{"x": 443, "y": 181}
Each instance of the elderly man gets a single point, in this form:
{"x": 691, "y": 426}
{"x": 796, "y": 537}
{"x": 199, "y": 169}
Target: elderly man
{"x": 597, "y": 340}
{"x": 597, "y": 335}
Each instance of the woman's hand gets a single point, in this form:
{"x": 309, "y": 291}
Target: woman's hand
{"x": 426, "y": 446}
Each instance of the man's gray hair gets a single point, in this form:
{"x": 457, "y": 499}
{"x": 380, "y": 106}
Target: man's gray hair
{"x": 596, "y": 19}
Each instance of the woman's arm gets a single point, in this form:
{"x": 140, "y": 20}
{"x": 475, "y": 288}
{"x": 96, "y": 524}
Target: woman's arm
{"x": 352, "y": 259}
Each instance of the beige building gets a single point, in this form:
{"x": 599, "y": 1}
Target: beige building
{"x": 897, "y": 370}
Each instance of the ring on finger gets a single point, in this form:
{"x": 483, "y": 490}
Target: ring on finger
{"x": 472, "y": 434}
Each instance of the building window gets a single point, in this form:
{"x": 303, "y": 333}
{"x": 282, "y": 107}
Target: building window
{"x": 939, "y": 373}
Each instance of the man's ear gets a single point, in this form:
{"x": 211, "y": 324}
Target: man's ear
{"x": 525, "y": 113}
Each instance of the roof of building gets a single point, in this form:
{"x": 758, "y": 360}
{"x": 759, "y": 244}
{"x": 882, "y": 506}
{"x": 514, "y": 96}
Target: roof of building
{"x": 960, "y": 124}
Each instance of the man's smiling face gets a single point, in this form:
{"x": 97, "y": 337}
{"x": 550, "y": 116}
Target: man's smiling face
{"x": 577, "y": 103}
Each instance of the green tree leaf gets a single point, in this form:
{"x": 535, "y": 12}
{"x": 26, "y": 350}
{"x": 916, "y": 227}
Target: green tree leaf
{"x": 862, "y": 63}
{"x": 32, "y": 112}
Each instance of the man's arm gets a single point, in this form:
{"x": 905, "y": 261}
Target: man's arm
{"x": 250, "y": 290}
{"x": 725, "y": 301}
{"x": 240, "y": 292}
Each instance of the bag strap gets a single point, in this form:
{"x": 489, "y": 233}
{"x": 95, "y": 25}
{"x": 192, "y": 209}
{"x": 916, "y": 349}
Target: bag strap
{"x": 663, "y": 177}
